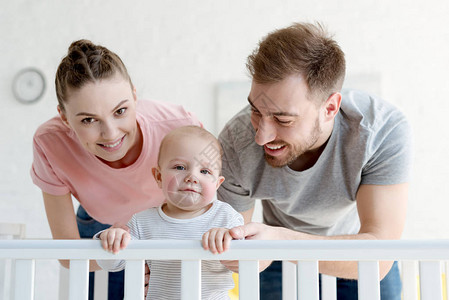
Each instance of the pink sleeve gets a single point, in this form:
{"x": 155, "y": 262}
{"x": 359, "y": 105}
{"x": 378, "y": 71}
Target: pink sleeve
{"x": 43, "y": 175}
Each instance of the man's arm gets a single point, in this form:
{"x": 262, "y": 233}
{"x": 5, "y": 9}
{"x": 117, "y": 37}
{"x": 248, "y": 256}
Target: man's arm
{"x": 382, "y": 210}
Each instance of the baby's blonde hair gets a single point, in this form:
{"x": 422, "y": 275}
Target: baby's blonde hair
{"x": 191, "y": 130}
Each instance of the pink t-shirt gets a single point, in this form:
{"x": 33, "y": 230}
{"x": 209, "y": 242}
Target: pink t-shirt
{"x": 61, "y": 165}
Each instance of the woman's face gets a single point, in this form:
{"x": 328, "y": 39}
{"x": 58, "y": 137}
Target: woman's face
{"x": 103, "y": 116}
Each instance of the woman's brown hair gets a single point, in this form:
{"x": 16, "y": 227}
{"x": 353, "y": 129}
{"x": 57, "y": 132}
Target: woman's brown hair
{"x": 86, "y": 62}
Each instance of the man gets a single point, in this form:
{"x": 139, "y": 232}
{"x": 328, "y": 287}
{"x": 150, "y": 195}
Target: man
{"x": 327, "y": 164}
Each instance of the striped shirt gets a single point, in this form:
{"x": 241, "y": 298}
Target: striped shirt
{"x": 165, "y": 276}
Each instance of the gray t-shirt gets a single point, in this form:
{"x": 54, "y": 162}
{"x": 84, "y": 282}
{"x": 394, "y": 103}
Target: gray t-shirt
{"x": 370, "y": 144}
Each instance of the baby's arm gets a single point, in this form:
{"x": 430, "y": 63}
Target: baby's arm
{"x": 217, "y": 240}
{"x": 114, "y": 239}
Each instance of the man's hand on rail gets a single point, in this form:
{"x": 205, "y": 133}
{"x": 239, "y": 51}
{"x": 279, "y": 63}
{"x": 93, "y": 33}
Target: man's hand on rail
{"x": 256, "y": 231}
{"x": 114, "y": 239}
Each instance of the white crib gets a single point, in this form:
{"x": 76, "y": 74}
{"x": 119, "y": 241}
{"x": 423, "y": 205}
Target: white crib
{"x": 431, "y": 255}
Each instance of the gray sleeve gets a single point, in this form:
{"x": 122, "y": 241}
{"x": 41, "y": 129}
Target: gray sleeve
{"x": 391, "y": 160}
{"x": 232, "y": 190}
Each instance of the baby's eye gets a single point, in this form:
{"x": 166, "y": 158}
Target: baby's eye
{"x": 181, "y": 168}
{"x": 87, "y": 121}
{"x": 205, "y": 171}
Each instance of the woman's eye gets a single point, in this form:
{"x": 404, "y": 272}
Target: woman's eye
{"x": 87, "y": 121}
{"x": 120, "y": 111}
{"x": 181, "y": 168}
{"x": 205, "y": 172}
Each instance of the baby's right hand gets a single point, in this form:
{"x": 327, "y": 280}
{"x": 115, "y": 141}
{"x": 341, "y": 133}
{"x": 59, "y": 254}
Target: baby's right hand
{"x": 114, "y": 239}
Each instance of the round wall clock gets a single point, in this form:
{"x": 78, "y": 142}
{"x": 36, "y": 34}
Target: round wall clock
{"x": 28, "y": 85}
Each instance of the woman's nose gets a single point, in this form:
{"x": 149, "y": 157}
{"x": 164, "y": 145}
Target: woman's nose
{"x": 108, "y": 130}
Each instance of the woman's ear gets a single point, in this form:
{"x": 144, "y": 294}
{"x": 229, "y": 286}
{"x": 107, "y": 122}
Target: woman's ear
{"x": 134, "y": 93}
{"x": 63, "y": 116}
{"x": 157, "y": 176}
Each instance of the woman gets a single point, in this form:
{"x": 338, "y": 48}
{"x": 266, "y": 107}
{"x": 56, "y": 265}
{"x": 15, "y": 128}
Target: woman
{"x": 100, "y": 149}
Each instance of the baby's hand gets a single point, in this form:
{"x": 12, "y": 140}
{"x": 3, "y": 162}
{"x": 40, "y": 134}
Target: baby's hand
{"x": 217, "y": 240}
{"x": 114, "y": 239}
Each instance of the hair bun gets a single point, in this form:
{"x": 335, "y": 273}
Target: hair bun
{"x": 83, "y": 45}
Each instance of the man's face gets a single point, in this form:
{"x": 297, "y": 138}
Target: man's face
{"x": 287, "y": 123}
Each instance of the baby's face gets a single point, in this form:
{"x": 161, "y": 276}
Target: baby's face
{"x": 190, "y": 172}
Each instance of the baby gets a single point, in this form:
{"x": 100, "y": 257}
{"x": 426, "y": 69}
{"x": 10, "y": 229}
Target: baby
{"x": 188, "y": 172}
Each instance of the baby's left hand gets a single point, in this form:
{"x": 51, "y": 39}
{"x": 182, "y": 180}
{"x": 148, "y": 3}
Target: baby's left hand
{"x": 217, "y": 240}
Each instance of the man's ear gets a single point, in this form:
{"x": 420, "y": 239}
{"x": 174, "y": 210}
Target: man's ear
{"x": 157, "y": 176}
{"x": 63, "y": 116}
{"x": 332, "y": 106}
{"x": 220, "y": 180}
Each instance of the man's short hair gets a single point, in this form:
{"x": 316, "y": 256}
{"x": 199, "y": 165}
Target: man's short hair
{"x": 301, "y": 49}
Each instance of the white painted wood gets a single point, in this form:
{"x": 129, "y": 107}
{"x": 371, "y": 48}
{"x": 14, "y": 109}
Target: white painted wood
{"x": 409, "y": 272}
{"x": 64, "y": 283}
{"x": 368, "y": 281}
{"x": 24, "y": 279}
{"x": 288, "y": 280}
{"x": 430, "y": 280}
{"x": 190, "y": 280}
{"x": 307, "y": 275}
{"x": 248, "y": 252}
{"x": 347, "y": 250}
{"x": 79, "y": 279}
{"x": 6, "y": 278}
{"x": 101, "y": 285}
{"x": 249, "y": 279}
{"x": 328, "y": 287}
{"x": 134, "y": 279}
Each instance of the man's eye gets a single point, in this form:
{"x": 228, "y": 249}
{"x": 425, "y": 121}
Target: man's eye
{"x": 180, "y": 168}
{"x": 255, "y": 111}
{"x": 120, "y": 111}
{"x": 87, "y": 121}
{"x": 284, "y": 122}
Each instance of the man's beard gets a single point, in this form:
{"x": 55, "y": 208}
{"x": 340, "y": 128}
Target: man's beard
{"x": 297, "y": 150}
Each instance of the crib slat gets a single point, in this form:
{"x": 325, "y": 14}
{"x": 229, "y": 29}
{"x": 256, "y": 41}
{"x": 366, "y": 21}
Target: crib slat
{"x": 248, "y": 279}
{"x": 409, "y": 271}
{"x": 328, "y": 287}
{"x": 191, "y": 280}
{"x": 368, "y": 284}
{"x": 308, "y": 280}
{"x": 430, "y": 280}
{"x": 288, "y": 280}
{"x": 134, "y": 279}
{"x": 79, "y": 279}
{"x": 24, "y": 279}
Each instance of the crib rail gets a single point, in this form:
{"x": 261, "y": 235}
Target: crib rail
{"x": 429, "y": 253}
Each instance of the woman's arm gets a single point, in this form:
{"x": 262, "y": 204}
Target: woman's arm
{"x": 62, "y": 220}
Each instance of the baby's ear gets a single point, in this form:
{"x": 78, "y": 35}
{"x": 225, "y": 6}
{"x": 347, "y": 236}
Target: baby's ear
{"x": 220, "y": 180}
{"x": 157, "y": 176}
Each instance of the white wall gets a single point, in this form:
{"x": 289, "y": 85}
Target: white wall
{"x": 179, "y": 51}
